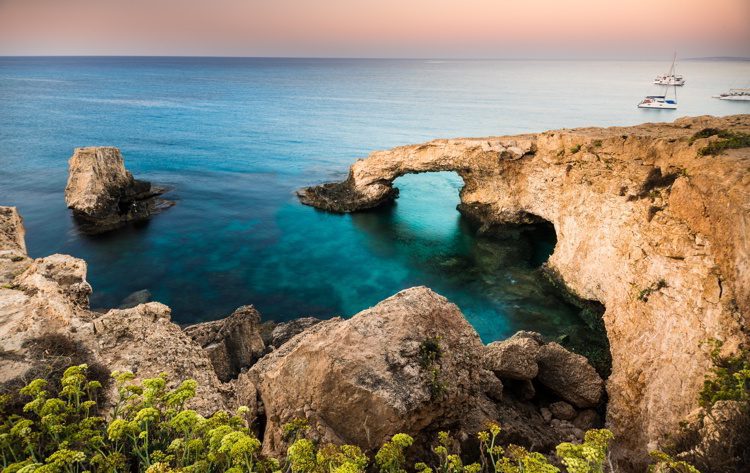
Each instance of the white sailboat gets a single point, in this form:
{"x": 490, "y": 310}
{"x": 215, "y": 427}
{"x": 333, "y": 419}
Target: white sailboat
{"x": 671, "y": 77}
{"x": 660, "y": 101}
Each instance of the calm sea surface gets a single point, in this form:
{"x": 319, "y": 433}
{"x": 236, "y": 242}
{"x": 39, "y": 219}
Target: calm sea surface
{"x": 235, "y": 138}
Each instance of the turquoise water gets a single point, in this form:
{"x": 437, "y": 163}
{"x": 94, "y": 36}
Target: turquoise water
{"x": 235, "y": 138}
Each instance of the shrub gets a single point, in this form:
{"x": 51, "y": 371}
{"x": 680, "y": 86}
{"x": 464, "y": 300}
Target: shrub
{"x": 644, "y": 294}
{"x": 726, "y": 140}
{"x": 588, "y": 457}
{"x": 729, "y": 379}
{"x": 430, "y": 353}
{"x": 150, "y": 430}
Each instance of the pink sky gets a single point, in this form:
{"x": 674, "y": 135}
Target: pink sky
{"x": 435, "y": 28}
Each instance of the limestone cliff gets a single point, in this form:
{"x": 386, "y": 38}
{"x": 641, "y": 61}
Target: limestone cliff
{"x": 645, "y": 225}
{"x": 104, "y": 195}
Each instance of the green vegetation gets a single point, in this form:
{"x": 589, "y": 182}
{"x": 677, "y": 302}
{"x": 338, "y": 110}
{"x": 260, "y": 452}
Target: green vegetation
{"x": 575, "y": 149}
{"x": 727, "y": 140}
{"x": 664, "y": 463}
{"x": 150, "y": 430}
{"x": 729, "y": 380}
{"x": 644, "y": 294}
{"x": 597, "y": 143}
{"x": 430, "y": 353}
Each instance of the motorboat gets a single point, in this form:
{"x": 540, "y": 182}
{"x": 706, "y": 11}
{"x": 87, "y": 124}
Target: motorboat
{"x": 739, "y": 95}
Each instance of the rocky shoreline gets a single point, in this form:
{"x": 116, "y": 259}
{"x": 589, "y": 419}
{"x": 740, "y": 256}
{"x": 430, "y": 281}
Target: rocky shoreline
{"x": 410, "y": 364}
{"x": 631, "y": 207}
{"x": 648, "y": 225}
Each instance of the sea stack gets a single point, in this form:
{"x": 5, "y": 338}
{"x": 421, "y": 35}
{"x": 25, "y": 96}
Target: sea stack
{"x": 104, "y": 195}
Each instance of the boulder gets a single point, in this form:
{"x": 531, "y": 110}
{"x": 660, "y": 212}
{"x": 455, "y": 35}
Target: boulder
{"x": 562, "y": 410}
{"x": 514, "y": 358}
{"x": 144, "y": 340}
{"x": 233, "y": 343}
{"x": 587, "y": 419}
{"x": 57, "y": 275}
{"x": 410, "y": 361}
{"x": 104, "y": 195}
{"x": 280, "y": 333}
{"x": 569, "y": 375}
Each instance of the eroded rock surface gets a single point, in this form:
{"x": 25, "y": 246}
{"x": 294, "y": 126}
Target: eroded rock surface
{"x": 233, "y": 343}
{"x": 104, "y": 195}
{"x": 13, "y": 258}
{"x": 645, "y": 225}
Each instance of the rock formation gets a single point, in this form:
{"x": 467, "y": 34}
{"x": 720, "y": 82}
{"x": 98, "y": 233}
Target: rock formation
{"x": 410, "y": 364}
{"x": 13, "y": 259}
{"x": 645, "y": 225}
{"x": 233, "y": 343}
{"x": 104, "y": 195}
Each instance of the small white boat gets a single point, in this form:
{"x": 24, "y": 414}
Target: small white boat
{"x": 658, "y": 101}
{"x": 739, "y": 95}
{"x": 671, "y": 77}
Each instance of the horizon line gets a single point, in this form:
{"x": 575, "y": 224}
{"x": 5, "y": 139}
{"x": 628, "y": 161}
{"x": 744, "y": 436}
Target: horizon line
{"x": 379, "y": 58}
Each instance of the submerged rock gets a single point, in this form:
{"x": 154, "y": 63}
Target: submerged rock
{"x": 135, "y": 298}
{"x": 233, "y": 343}
{"x": 104, "y": 195}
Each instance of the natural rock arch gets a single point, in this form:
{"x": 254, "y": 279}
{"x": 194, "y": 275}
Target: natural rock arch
{"x": 644, "y": 225}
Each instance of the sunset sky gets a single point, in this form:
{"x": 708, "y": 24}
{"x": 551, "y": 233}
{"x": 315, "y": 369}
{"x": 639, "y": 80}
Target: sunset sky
{"x": 376, "y": 28}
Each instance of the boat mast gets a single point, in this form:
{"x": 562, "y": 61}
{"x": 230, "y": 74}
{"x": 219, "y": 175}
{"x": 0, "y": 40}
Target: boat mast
{"x": 672, "y": 71}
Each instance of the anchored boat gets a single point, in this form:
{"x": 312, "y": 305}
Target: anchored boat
{"x": 739, "y": 95}
{"x": 671, "y": 77}
{"x": 658, "y": 101}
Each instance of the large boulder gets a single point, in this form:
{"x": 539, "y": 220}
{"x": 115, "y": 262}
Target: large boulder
{"x": 569, "y": 375}
{"x": 233, "y": 343}
{"x": 514, "y": 358}
{"x": 144, "y": 340}
{"x": 401, "y": 366}
{"x": 104, "y": 195}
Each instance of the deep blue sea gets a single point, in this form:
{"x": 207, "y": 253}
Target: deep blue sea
{"x": 235, "y": 137}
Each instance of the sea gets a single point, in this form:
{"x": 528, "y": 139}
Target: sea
{"x": 233, "y": 138}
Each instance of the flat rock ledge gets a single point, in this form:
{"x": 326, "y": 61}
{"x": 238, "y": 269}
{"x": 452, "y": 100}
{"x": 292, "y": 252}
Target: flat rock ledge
{"x": 104, "y": 195}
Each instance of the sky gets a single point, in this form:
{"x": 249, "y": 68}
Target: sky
{"x": 377, "y": 28}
